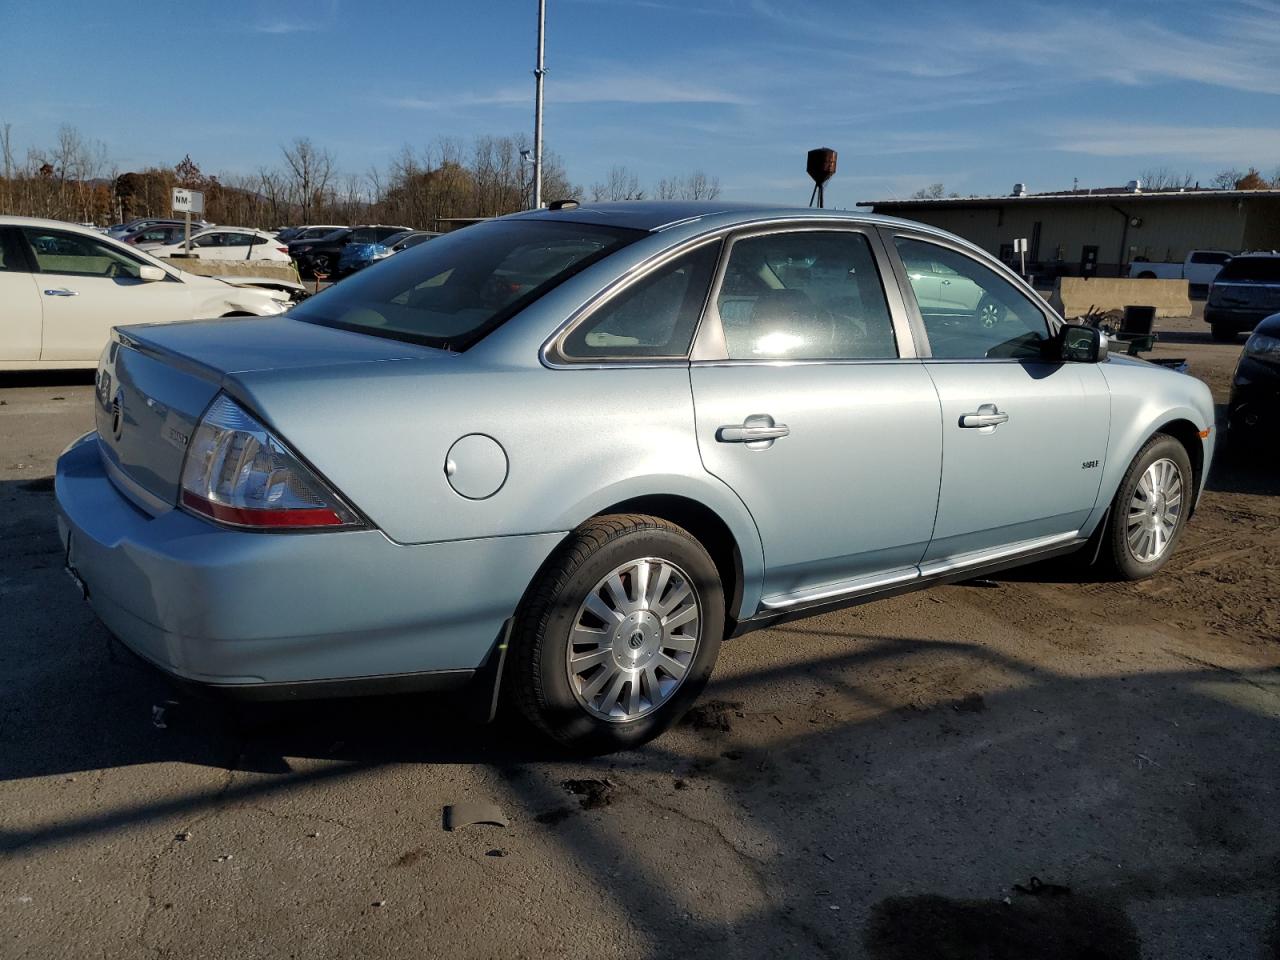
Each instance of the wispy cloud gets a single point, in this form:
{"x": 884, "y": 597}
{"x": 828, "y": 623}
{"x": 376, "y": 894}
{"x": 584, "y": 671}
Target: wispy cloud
{"x": 611, "y": 85}
{"x": 1190, "y": 143}
{"x": 287, "y": 26}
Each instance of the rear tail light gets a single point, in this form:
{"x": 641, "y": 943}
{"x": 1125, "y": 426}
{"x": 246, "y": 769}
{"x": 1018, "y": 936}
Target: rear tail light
{"x": 282, "y": 249}
{"x": 239, "y": 474}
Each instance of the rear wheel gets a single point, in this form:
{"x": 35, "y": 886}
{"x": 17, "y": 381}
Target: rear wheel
{"x": 1150, "y": 509}
{"x": 618, "y": 636}
{"x": 1222, "y": 333}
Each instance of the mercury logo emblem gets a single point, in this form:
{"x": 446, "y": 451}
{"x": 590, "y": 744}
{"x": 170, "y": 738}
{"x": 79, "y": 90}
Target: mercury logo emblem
{"x": 636, "y": 641}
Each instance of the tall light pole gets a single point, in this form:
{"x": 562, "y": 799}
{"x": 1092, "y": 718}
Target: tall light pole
{"x": 538, "y": 74}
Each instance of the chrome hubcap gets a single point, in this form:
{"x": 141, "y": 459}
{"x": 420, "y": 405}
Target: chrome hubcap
{"x": 1154, "y": 511}
{"x": 634, "y": 639}
{"x": 989, "y": 314}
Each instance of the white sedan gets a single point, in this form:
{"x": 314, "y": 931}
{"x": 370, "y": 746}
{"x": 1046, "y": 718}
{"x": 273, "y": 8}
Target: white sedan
{"x": 62, "y": 289}
{"x": 229, "y": 243}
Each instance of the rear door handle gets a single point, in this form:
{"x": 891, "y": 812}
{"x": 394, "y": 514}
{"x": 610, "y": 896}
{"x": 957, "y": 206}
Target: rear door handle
{"x": 987, "y": 418}
{"x": 758, "y": 432}
{"x": 61, "y": 292}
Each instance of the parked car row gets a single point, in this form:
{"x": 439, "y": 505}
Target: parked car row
{"x": 63, "y": 288}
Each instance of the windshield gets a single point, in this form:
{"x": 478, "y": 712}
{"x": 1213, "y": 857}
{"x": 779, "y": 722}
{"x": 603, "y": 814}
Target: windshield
{"x": 451, "y": 292}
{"x": 1264, "y": 269}
{"x": 395, "y": 238}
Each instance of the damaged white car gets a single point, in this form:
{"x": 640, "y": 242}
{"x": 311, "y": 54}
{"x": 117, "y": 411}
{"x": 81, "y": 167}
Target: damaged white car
{"x": 64, "y": 287}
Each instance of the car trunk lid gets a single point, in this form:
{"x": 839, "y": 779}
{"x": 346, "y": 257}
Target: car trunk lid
{"x": 154, "y": 383}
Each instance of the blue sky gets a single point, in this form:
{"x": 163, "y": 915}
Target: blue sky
{"x": 975, "y": 95}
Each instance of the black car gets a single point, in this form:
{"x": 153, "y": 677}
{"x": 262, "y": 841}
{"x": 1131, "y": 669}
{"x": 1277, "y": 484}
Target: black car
{"x": 1246, "y": 290}
{"x": 320, "y": 256}
{"x": 1254, "y": 409}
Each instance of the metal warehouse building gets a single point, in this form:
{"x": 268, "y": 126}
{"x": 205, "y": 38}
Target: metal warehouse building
{"x": 1100, "y": 232}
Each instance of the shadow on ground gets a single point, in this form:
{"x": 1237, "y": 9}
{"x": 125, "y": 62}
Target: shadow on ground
{"x": 818, "y": 803}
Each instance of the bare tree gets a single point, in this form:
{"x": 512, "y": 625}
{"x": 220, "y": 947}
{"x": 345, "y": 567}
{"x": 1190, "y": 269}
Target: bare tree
{"x": 931, "y": 192}
{"x": 311, "y": 170}
{"x": 1226, "y": 179}
{"x": 698, "y": 186}
{"x": 1165, "y": 178}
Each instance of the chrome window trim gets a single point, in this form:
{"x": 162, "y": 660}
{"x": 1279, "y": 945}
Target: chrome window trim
{"x": 709, "y": 345}
{"x": 862, "y": 224}
{"x": 1053, "y": 322}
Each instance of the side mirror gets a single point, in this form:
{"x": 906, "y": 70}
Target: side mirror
{"x": 1083, "y": 344}
{"x": 150, "y": 274}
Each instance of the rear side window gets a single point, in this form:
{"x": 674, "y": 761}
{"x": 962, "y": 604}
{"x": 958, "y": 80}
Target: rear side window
{"x": 804, "y": 295}
{"x": 654, "y": 317}
{"x": 1209, "y": 256}
{"x": 1259, "y": 269}
{"x": 451, "y": 292}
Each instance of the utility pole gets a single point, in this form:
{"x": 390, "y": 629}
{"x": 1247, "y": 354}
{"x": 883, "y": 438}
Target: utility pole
{"x": 538, "y": 74}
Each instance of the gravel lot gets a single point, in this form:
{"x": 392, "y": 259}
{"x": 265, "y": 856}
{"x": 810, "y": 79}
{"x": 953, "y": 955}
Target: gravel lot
{"x": 871, "y": 783}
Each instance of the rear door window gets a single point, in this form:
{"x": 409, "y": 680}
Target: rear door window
{"x": 804, "y": 295}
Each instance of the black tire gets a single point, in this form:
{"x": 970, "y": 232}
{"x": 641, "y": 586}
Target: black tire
{"x": 1222, "y": 333}
{"x": 1146, "y": 275}
{"x": 322, "y": 263}
{"x": 537, "y": 678}
{"x": 1116, "y": 549}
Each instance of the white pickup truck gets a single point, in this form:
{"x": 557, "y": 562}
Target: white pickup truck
{"x": 1199, "y": 269}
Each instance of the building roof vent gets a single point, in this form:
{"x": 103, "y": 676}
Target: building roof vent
{"x": 1133, "y": 186}
{"x": 1019, "y": 189}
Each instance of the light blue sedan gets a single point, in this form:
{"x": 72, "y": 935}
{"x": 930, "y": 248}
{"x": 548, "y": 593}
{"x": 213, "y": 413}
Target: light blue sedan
{"x": 564, "y": 454}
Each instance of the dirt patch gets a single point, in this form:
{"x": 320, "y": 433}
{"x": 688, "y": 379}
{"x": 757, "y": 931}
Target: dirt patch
{"x": 592, "y": 794}
{"x": 1054, "y": 928}
{"x": 714, "y": 715}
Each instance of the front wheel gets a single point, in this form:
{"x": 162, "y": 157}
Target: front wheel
{"x": 619, "y": 634}
{"x": 1150, "y": 509}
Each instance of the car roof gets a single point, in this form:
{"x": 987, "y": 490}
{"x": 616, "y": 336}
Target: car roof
{"x": 657, "y": 215}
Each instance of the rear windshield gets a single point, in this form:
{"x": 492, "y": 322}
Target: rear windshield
{"x": 451, "y": 292}
{"x": 1266, "y": 269}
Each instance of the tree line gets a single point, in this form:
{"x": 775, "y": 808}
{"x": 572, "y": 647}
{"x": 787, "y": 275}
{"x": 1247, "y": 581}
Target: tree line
{"x": 74, "y": 179}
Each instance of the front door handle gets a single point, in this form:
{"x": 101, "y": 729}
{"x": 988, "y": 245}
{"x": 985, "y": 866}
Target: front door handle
{"x": 61, "y": 292}
{"x": 758, "y": 432}
{"x": 987, "y": 418}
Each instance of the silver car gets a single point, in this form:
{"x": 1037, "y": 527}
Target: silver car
{"x": 562, "y": 455}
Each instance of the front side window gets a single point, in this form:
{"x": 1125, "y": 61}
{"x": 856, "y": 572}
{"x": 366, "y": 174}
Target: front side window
{"x": 804, "y": 295}
{"x": 72, "y": 253}
{"x": 970, "y": 312}
{"x": 451, "y": 292}
{"x": 655, "y": 317}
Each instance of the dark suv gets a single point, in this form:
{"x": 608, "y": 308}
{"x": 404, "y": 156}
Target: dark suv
{"x": 320, "y": 256}
{"x": 1246, "y": 290}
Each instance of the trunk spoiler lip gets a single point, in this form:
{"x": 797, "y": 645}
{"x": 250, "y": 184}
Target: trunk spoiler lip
{"x": 134, "y": 337}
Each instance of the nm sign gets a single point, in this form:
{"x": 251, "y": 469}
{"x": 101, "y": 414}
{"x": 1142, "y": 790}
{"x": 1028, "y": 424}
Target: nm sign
{"x": 188, "y": 201}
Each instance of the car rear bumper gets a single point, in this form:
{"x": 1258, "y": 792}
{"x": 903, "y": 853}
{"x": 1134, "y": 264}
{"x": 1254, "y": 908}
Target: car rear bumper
{"x": 285, "y": 615}
{"x": 1239, "y": 318}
